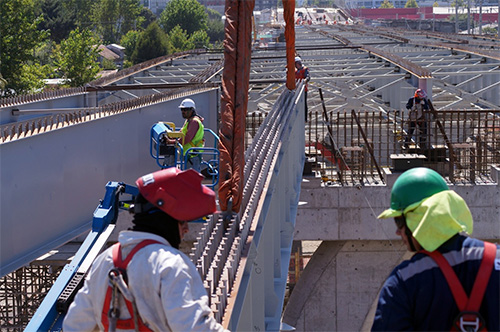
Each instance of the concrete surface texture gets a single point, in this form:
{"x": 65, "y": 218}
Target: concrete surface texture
{"x": 338, "y": 289}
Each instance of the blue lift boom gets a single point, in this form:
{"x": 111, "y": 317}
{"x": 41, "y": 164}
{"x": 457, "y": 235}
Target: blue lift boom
{"x": 50, "y": 314}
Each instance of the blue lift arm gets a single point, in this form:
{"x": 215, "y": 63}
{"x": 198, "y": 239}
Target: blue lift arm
{"x": 50, "y": 314}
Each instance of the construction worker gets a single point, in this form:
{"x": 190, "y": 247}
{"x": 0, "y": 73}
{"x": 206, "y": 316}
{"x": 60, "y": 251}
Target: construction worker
{"x": 192, "y": 133}
{"x": 302, "y": 73}
{"x": 163, "y": 289}
{"x": 418, "y": 115}
{"x": 433, "y": 221}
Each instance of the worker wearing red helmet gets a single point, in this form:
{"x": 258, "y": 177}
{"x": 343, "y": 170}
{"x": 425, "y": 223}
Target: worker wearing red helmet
{"x": 418, "y": 115}
{"x": 302, "y": 73}
{"x": 434, "y": 222}
{"x": 163, "y": 291}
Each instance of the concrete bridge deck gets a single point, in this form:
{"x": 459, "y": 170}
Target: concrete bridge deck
{"x": 354, "y": 67}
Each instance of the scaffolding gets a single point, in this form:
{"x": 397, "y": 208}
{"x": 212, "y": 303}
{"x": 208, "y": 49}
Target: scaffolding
{"x": 22, "y": 292}
{"x": 461, "y": 145}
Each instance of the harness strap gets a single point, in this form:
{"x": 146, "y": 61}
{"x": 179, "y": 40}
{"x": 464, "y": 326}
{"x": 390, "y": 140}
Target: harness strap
{"x": 125, "y": 324}
{"x": 483, "y": 275}
{"x": 117, "y": 253}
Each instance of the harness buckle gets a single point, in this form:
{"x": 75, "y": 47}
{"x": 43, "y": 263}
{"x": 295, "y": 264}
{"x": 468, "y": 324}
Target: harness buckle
{"x": 469, "y": 321}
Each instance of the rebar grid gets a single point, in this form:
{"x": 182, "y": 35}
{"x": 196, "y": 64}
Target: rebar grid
{"x": 472, "y": 136}
{"x": 22, "y": 292}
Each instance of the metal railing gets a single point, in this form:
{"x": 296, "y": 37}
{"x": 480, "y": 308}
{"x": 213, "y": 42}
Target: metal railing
{"x": 460, "y": 145}
{"x": 45, "y": 95}
{"x": 20, "y": 129}
{"x": 254, "y": 247}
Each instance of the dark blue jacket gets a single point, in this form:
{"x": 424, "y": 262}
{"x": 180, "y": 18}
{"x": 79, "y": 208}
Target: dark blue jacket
{"x": 416, "y": 296}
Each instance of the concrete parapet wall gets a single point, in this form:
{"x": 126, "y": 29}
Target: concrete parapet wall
{"x": 350, "y": 213}
{"x": 53, "y": 181}
{"x": 338, "y": 290}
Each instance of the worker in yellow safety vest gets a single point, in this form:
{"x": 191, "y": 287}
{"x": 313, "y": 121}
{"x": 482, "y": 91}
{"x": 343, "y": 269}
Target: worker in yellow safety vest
{"x": 192, "y": 132}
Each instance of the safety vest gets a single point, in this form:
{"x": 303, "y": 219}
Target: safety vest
{"x": 198, "y": 138}
{"x": 121, "y": 265}
{"x": 469, "y": 318}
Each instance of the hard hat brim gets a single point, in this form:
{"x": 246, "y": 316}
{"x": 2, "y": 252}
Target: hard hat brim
{"x": 390, "y": 213}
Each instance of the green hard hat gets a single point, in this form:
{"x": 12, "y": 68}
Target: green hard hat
{"x": 411, "y": 187}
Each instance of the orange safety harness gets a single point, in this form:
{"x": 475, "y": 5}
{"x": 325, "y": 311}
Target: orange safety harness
{"x": 112, "y": 313}
{"x": 469, "y": 318}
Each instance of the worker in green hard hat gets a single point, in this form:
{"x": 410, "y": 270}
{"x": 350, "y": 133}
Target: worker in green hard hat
{"x": 434, "y": 222}
{"x": 407, "y": 194}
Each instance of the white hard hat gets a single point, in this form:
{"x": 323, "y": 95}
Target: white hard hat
{"x": 298, "y": 59}
{"x": 187, "y": 103}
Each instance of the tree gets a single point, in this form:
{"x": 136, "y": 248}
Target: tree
{"x": 114, "y": 18}
{"x": 18, "y": 38}
{"x": 146, "y": 18}
{"x": 215, "y": 26}
{"x": 179, "y": 40}
{"x": 129, "y": 41}
{"x": 151, "y": 44}
{"x": 77, "y": 58}
{"x": 190, "y": 15}
{"x": 57, "y": 19}
{"x": 199, "y": 39}
{"x": 411, "y": 4}
{"x": 435, "y": 4}
{"x": 81, "y": 11}
{"x": 386, "y": 4}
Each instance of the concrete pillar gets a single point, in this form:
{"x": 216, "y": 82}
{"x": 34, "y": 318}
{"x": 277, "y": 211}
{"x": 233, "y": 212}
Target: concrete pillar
{"x": 426, "y": 85}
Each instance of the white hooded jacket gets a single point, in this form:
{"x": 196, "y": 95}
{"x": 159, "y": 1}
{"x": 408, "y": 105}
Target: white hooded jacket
{"x": 167, "y": 288}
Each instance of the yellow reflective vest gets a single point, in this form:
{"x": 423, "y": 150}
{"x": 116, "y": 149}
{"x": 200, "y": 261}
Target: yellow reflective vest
{"x": 198, "y": 140}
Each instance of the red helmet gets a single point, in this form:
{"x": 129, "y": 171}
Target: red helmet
{"x": 178, "y": 193}
{"x": 419, "y": 93}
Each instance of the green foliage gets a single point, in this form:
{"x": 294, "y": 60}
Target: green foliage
{"x": 44, "y": 53}
{"x": 490, "y": 31}
{"x": 151, "y": 44}
{"x": 190, "y": 15}
{"x": 199, "y": 39}
{"x": 460, "y": 3}
{"x": 215, "y": 30}
{"x": 146, "y": 17}
{"x": 57, "y": 19}
{"x": 179, "y": 40}
{"x": 77, "y": 59}
{"x": 218, "y": 45}
{"x": 129, "y": 41}
{"x": 435, "y": 4}
{"x": 411, "y": 4}
{"x": 81, "y": 10}
{"x": 386, "y": 4}
{"x": 127, "y": 64}
{"x": 32, "y": 75}
{"x": 107, "y": 64}
{"x": 19, "y": 36}
{"x": 3, "y": 82}
{"x": 114, "y": 18}
{"x": 213, "y": 14}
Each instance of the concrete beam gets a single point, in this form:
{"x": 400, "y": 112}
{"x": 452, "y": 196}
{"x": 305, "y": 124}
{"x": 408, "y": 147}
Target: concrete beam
{"x": 349, "y": 213}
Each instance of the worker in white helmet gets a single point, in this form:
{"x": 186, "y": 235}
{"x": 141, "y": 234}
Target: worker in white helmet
{"x": 161, "y": 289}
{"x": 192, "y": 134}
{"x": 302, "y": 73}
